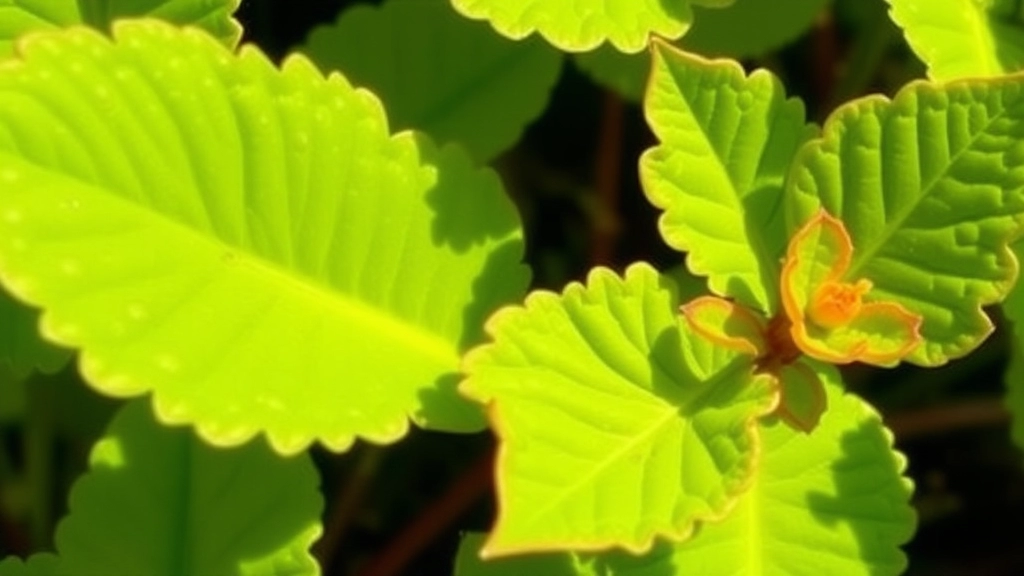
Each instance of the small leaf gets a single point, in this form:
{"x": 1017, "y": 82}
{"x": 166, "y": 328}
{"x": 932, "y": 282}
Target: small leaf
{"x": 963, "y": 38}
{"x": 727, "y": 324}
{"x": 834, "y": 501}
{"x": 19, "y": 17}
{"x": 286, "y": 266}
{"x": 749, "y": 28}
{"x": 930, "y": 187}
{"x": 158, "y": 501}
{"x": 617, "y": 424}
{"x": 582, "y": 25}
{"x": 831, "y": 316}
{"x": 802, "y": 400}
{"x": 726, "y": 141}
{"x": 436, "y": 71}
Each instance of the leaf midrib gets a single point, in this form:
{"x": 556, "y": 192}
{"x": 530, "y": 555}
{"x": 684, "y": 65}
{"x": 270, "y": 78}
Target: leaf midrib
{"x": 671, "y": 413}
{"x": 430, "y": 344}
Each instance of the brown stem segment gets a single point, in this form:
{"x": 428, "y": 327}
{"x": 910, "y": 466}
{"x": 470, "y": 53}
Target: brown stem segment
{"x": 607, "y": 179}
{"x": 467, "y": 489}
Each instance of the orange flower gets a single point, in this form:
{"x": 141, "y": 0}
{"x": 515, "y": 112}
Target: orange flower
{"x": 824, "y": 316}
{"x": 829, "y": 317}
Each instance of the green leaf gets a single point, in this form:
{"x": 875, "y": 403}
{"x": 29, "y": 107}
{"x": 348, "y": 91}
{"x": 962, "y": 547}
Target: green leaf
{"x": 247, "y": 243}
{"x": 22, "y": 351}
{"x": 741, "y": 30}
{"x": 960, "y": 38}
{"x": 438, "y": 72}
{"x": 582, "y": 25}
{"x": 626, "y": 74}
{"x": 617, "y": 424}
{"x": 834, "y": 501}
{"x": 158, "y": 501}
{"x": 19, "y": 17}
{"x": 750, "y": 28}
{"x": 930, "y": 187}
{"x": 726, "y": 141}
{"x": 42, "y": 564}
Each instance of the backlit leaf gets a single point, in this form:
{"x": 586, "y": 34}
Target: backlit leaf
{"x": 617, "y": 423}
{"x": 959, "y": 38}
{"x": 439, "y": 72}
{"x": 18, "y": 17}
{"x": 930, "y": 187}
{"x": 160, "y": 502}
{"x": 834, "y": 501}
{"x": 582, "y": 25}
{"x": 726, "y": 141}
{"x": 247, "y": 243}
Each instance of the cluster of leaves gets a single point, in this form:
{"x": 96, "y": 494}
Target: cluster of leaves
{"x": 257, "y": 249}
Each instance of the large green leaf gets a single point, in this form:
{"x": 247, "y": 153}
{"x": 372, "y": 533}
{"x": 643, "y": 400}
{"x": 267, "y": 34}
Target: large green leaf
{"x": 746, "y": 28}
{"x": 958, "y": 38}
{"x": 726, "y": 142}
{"x": 158, "y": 501}
{"x": 930, "y": 187}
{"x": 441, "y": 73}
{"x": 18, "y": 17}
{"x": 247, "y": 243}
{"x": 616, "y": 423}
{"x": 750, "y": 27}
{"x": 582, "y": 25}
{"x": 834, "y": 501}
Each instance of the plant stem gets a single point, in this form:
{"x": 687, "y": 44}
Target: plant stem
{"x": 347, "y": 503}
{"x": 607, "y": 180}
{"x": 863, "y": 59}
{"x": 467, "y": 489}
{"x": 941, "y": 419}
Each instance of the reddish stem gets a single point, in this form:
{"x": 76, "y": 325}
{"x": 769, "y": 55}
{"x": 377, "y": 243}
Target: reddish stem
{"x": 435, "y": 519}
{"x": 607, "y": 180}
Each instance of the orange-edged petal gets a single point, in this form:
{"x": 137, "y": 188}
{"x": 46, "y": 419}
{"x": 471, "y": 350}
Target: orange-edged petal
{"x": 803, "y": 398}
{"x": 881, "y": 334}
{"x": 727, "y": 324}
{"x": 818, "y": 253}
{"x": 834, "y": 320}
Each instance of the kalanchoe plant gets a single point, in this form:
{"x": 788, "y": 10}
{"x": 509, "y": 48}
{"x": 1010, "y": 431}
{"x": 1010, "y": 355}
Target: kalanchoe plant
{"x": 277, "y": 257}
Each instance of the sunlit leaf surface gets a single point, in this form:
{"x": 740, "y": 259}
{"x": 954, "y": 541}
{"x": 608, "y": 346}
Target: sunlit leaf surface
{"x": 18, "y": 17}
{"x": 963, "y": 38}
{"x": 247, "y": 243}
{"x": 831, "y": 502}
{"x": 581, "y": 25}
{"x": 617, "y": 424}
{"x": 930, "y": 187}
{"x": 725, "y": 143}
